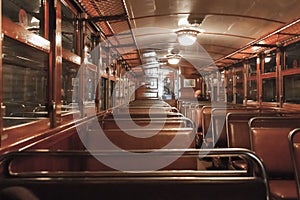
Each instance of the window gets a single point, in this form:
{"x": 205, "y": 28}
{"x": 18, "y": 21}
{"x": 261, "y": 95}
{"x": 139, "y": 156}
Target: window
{"x": 269, "y": 90}
{"x": 90, "y": 82}
{"x": 25, "y": 80}
{"x": 229, "y": 86}
{"x": 103, "y": 95}
{"x": 239, "y": 86}
{"x": 292, "y": 89}
{"x": 252, "y": 80}
{"x": 68, "y": 28}
{"x": 252, "y": 67}
{"x": 270, "y": 63}
{"x": 252, "y": 90}
{"x": 189, "y": 83}
{"x": 112, "y": 97}
{"x": 167, "y": 85}
{"x": 27, "y": 13}
{"x": 292, "y": 56}
{"x": 70, "y": 84}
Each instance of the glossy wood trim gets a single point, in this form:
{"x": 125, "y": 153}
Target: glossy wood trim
{"x": 280, "y": 89}
{"x": 58, "y": 65}
{"x": 252, "y": 78}
{"x": 252, "y": 103}
{"x": 28, "y": 141}
{"x": 18, "y": 133}
{"x": 17, "y": 32}
{"x": 1, "y": 75}
{"x": 71, "y": 57}
{"x": 55, "y": 64}
{"x": 70, "y": 6}
{"x": 289, "y": 106}
{"x": 104, "y": 76}
{"x": 291, "y": 41}
{"x": 270, "y": 104}
{"x": 46, "y": 18}
{"x": 268, "y": 75}
{"x": 292, "y": 71}
{"x": 28, "y": 135}
{"x": 259, "y": 79}
{"x": 111, "y": 78}
{"x": 278, "y": 77}
{"x": 245, "y": 82}
{"x": 68, "y": 117}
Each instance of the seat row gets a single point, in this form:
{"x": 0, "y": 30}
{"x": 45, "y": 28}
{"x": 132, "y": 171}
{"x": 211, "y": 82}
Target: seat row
{"x": 265, "y": 132}
{"x": 262, "y": 130}
{"x": 61, "y": 182}
{"x": 144, "y": 167}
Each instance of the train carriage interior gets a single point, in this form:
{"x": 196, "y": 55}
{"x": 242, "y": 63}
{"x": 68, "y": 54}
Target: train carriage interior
{"x": 150, "y": 99}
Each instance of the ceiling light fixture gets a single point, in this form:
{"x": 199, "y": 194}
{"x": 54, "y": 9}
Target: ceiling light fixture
{"x": 187, "y": 35}
{"x": 268, "y": 59}
{"x": 173, "y": 59}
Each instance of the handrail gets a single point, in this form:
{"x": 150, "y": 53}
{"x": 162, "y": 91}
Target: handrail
{"x": 188, "y": 121}
{"x": 87, "y": 181}
{"x": 7, "y": 158}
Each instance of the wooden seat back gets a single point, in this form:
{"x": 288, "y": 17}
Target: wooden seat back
{"x": 269, "y": 140}
{"x": 165, "y": 184}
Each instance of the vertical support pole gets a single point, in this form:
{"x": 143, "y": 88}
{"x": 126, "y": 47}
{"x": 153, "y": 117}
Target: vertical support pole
{"x": 82, "y": 70}
{"x": 279, "y": 57}
{"x": 259, "y": 80}
{"x": 245, "y": 82}
{"x": 55, "y": 71}
{"x": 2, "y": 113}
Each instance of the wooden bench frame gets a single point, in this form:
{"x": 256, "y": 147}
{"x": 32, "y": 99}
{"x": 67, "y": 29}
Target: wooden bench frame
{"x": 194, "y": 184}
{"x": 146, "y": 138}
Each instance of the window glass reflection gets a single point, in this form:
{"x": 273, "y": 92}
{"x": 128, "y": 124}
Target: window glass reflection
{"x": 292, "y": 89}
{"x": 239, "y": 86}
{"x": 252, "y": 67}
{"x": 229, "y": 87}
{"x": 25, "y": 80}
{"x": 252, "y": 90}
{"x": 293, "y": 56}
{"x": 68, "y": 28}
{"x": 27, "y": 13}
{"x": 70, "y": 84}
{"x": 270, "y": 63}
{"x": 269, "y": 90}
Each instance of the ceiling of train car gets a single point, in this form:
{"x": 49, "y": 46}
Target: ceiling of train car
{"x": 143, "y": 26}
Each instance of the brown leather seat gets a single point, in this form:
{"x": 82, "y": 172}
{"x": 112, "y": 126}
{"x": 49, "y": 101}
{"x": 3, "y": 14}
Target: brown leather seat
{"x": 269, "y": 140}
{"x": 237, "y": 130}
{"x": 294, "y": 142}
